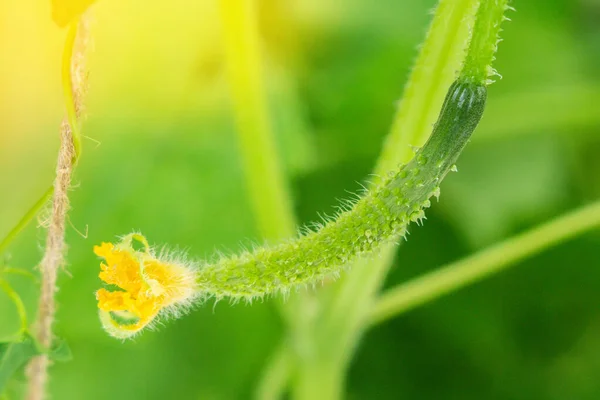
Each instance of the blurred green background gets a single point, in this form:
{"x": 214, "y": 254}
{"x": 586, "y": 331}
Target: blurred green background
{"x": 161, "y": 157}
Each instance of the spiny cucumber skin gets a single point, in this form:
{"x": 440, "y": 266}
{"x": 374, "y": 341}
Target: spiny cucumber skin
{"x": 380, "y": 216}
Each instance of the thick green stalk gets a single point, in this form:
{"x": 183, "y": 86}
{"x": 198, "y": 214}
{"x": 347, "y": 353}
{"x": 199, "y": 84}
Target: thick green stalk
{"x": 345, "y": 319}
{"x": 435, "y": 68}
{"x": 484, "y": 43}
{"x": 276, "y": 374}
{"x": 269, "y": 195}
{"x": 271, "y": 200}
{"x": 439, "y": 59}
{"x": 483, "y": 264}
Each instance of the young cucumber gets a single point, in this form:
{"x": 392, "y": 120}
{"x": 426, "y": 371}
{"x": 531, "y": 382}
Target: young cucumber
{"x": 380, "y": 216}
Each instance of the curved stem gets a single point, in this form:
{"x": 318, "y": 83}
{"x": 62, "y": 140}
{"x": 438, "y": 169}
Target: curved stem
{"x": 276, "y": 374}
{"x": 269, "y": 195}
{"x": 435, "y": 69}
{"x": 380, "y": 216}
{"x": 268, "y": 190}
{"x": 30, "y": 215}
{"x": 480, "y": 265}
{"x": 440, "y": 57}
{"x": 484, "y": 43}
{"x": 16, "y": 299}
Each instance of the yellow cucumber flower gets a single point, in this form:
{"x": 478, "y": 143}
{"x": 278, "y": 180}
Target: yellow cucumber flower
{"x": 145, "y": 286}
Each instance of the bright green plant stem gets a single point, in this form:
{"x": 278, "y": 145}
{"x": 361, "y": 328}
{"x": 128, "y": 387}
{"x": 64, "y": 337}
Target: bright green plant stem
{"x": 441, "y": 55}
{"x": 268, "y": 191}
{"x": 67, "y": 86}
{"x": 484, "y": 43}
{"x": 343, "y": 318}
{"x": 276, "y": 374}
{"x": 16, "y": 299}
{"x": 483, "y": 264}
{"x": 26, "y": 219}
{"x": 271, "y": 200}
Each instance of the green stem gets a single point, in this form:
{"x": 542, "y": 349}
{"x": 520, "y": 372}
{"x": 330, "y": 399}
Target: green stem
{"x": 30, "y": 215}
{"x": 481, "y": 265}
{"x": 72, "y": 116}
{"x": 435, "y": 69}
{"x": 16, "y": 299}
{"x": 269, "y": 195}
{"x": 440, "y": 57}
{"x": 327, "y": 381}
{"x": 484, "y": 44}
{"x": 276, "y": 374}
{"x": 270, "y": 198}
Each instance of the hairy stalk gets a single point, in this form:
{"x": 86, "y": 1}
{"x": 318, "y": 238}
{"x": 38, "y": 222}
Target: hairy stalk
{"x": 435, "y": 68}
{"x": 345, "y": 319}
{"x": 482, "y": 49}
{"x": 73, "y": 77}
{"x": 483, "y": 264}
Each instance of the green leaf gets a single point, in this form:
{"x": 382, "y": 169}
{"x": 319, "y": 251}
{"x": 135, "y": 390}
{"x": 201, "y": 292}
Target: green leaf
{"x": 14, "y": 355}
{"x": 60, "y": 351}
